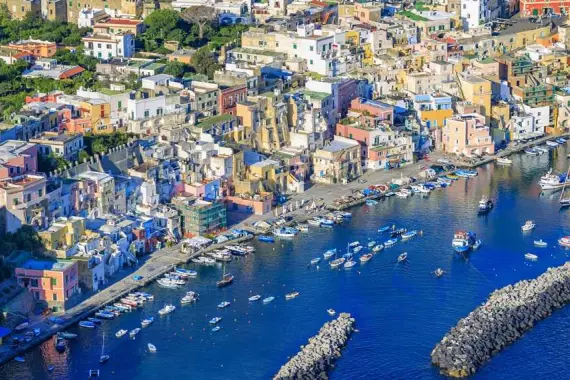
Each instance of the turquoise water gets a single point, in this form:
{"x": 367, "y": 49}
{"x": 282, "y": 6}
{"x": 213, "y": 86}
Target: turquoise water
{"x": 402, "y": 311}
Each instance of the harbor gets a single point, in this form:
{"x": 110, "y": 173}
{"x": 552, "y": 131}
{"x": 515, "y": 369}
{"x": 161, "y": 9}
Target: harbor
{"x": 282, "y": 268}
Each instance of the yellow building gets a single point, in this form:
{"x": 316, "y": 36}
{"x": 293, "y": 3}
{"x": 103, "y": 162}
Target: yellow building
{"x": 263, "y": 176}
{"x": 477, "y": 90}
{"x": 258, "y": 38}
{"x": 63, "y": 234}
{"x": 99, "y": 115}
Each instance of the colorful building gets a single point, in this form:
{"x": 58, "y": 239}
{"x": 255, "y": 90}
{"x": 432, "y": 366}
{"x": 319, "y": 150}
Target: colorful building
{"x": 467, "y": 135}
{"x": 229, "y": 97}
{"x": 24, "y": 198}
{"x": 17, "y": 158}
{"x": 54, "y": 282}
{"x": 39, "y": 48}
{"x": 61, "y": 237}
{"x": 338, "y": 162}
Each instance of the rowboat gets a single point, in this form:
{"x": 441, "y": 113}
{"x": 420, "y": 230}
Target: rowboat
{"x": 540, "y": 243}
{"x": 292, "y": 295}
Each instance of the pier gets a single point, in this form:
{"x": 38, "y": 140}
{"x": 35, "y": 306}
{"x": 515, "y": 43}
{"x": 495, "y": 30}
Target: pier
{"x": 315, "y": 358}
{"x": 504, "y": 318}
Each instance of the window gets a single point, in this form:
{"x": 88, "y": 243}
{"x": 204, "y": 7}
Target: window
{"x": 29, "y": 196}
{"x": 146, "y": 113}
{"x": 119, "y": 105}
{"x": 53, "y": 281}
{"x": 54, "y": 296}
{"x": 40, "y": 192}
{"x": 34, "y": 282}
{"x": 109, "y": 46}
{"x": 294, "y": 46}
{"x": 311, "y": 48}
{"x": 99, "y": 46}
{"x": 311, "y": 62}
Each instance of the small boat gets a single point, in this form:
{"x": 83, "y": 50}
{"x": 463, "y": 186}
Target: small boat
{"x": 371, "y": 202}
{"x": 285, "y": 232}
{"x": 22, "y": 326}
{"x": 166, "y": 283}
{"x": 531, "y": 152}
{"x": 402, "y": 194}
{"x": 215, "y": 320}
{"x": 133, "y": 333}
{"x": 485, "y": 204}
{"x": 87, "y": 324}
{"x": 50, "y": 368}
{"x": 226, "y": 280}
{"x": 378, "y": 248}
{"x": 389, "y": 194}
{"x": 331, "y": 312}
{"x": 223, "y": 305}
{"x": 504, "y": 161}
{"x": 564, "y": 241}
{"x": 93, "y": 374}
{"x": 409, "y": 234}
{"x": 561, "y": 140}
{"x": 530, "y": 256}
{"x": 337, "y": 262}
{"x": 266, "y": 239}
{"x": 365, "y": 258}
{"x": 371, "y": 244}
{"x": 268, "y": 299}
{"x": 20, "y": 359}
{"x": 477, "y": 244}
{"x": 327, "y": 223}
{"x": 104, "y": 358}
{"x": 217, "y": 328}
{"x": 66, "y": 335}
{"x": 121, "y": 333}
{"x": 151, "y": 348}
{"x": 189, "y": 297}
{"x": 316, "y": 260}
{"x": 552, "y": 144}
{"x": 95, "y": 320}
{"x": 357, "y": 249}
{"x": 529, "y": 225}
{"x": 147, "y": 321}
{"x": 254, "y": 298}
{"x": 60, "y": 344}
{"x": 349, "y": 264}
{"x": 463, "y": 241}
{"x": 330, "y": 253}
{"x": 167, "y": 309}
{"x": 290, "y": 296}
{"x": 390, "y": 243}
{"x": 540, "y": 243}
{"x": 439, "y": 272}
{"x": 188, "y": 272}
{"x": 398, "y": 232}
{"x": 403, "y": 257}
{"x": 354, "y": 244}
{"x": 385, "y": 229}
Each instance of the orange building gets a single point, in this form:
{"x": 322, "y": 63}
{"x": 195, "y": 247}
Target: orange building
{"x": 52, "y": 281}
{"x": 90, "y": 116}
{"x": 39, "y": 48}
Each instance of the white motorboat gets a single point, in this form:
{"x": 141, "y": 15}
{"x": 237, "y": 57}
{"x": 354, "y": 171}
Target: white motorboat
{"x": 215, "y": 320}
{"x": 530, "y": 256}
{"x": 268, "y": 300}
{"x": 316, "y": 260}
{"x": 331, "y": 312}
{"x": 402, "y": 194}
{"x": 223, "y": 305}
{"x": 378, "y": 248}
{"x": 371, "y": 244}
{"x": 349, "y": 264}
{"x": 540, "y": 243}
{"x": 189, "y": 297}
{"x": 409, "y": 235}
{"x": 147, "y": 321}
{"x": 424, "y": 189}
{"x": 121, "y": 333}
{"x": 168, "y": 283}
{"x": 330, "y": 253}
{"x": 133, "y": 333}
{"x": 284, "y": 233}
{"x": 337, "y": 262}
{"x": 529, "y": 225}
{"x": 254, "y": 298}
{"x": 365, "y": 258}
{"x": 167, "y": 309}
{"x": 151, "y": 348}
{"x": 217, "y": 328}
{"x": 354, "y": 244}
{"x": 551, "y": 181}
{"x": 504, "y": 161}
{"x": 531, "y": 152}
{"x": 357, "y": 249}
{"x": 403, "y": 257}
{"x": 292, "y": 295}
{"x": 439, "y": 272}
{"x": 552, "y": 144}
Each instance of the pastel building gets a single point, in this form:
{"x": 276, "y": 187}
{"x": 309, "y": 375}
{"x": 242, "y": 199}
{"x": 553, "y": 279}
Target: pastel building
{"x": 24, "y": 199}
{"x": 433, "y": 110}
{"x": 338, "y": 162}
{"x": 467, "y": 135}
{"x": 17, "y": 158}
{"x": 62, "y": 236}
{"x": 54, "y": 282}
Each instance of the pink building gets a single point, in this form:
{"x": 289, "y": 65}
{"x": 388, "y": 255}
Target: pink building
{"x": 372, "y": 110}
{"x": 25, "y": 200}
{"x": 52, "y": 281}
{"x": 17, "y": 158}
{"x": 467, "y": 135}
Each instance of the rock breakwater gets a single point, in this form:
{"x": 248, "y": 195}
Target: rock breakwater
{"x": 315, "y": 358}
{"x": 508, "y": 313}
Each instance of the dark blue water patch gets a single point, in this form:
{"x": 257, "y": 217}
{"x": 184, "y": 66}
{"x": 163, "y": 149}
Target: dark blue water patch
{"x": 402, "y": 311}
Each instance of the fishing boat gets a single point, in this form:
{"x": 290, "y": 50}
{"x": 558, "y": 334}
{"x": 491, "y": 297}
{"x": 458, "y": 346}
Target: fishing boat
{"x": 133, "y": 333}
{"x": 224, "y": 304}
{"x": 331, "y": 312}
{"x": 226, "y": 280}
{"x": 403, "y": 257}
{"x": 104, "y": 358}
{"x": 371, "y": 202}
{"x": 121, "y": 333}
{"x": 365, "y": 258}
{"x": 409, "y": 235}
{"x": 504, "y": 161}
{"x": 415, "y": 188}
{"x": 167, "y": 309}
{"x": 60, "y": 344}
{"x": 266, "y": 239}
{"x": 398, "y": 232}
{"x": 315, "y": 222}
{"x": 168, "y": 283}
{"x": 564, "y": 241}
{"x": 439, "y": 272}
{"x": 87, "y": 324}
{"x": 147, "y": 321}
{"x": 151, "y": 348}
{"x": 316, "y": 260}
{"x": 105, "y": 315}
{"x": 466, "y": 173}
{"x": 463, "y": 241}
{"x": 378, "y": 248}
{"x": 349, "y": 264}
{"x": 188, "y": 272}
{"x": 292, "y": 295}
{"x": 327, "y": 223}
{"x": 425, "y": 189}
{"x": 385, "y": 229}
{"x": 189, "y": 297}
{"x": 337, "y": 262}
{"x": 530, "y": 256}
{"x": 528, "y": 226}
{"x": 66, "y": 335}
{"x": 552, "y": 144}
{"x": 268, "y": 300}
{"x": 215, "y": 320}
{"x": 93, "y": 374}
{"x": 254, "y": 298}
{"x": 531, "y": 152}
{"x": 540, "y": 243}
{"x": 390, "y": 243}
{"x": 330, "y": 253}
{"x": 284, "y": 232}
{"x": 485, "y": 205}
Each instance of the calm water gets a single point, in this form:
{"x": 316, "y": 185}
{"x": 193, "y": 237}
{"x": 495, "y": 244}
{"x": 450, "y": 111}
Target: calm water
{"x": 402, "y": 311}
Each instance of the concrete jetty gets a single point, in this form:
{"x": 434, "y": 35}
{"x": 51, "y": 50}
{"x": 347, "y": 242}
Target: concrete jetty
{"x": 314, "y": 359}
{"x": 505, "y": 317}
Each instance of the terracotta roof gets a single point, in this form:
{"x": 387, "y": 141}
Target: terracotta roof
{"x": 71, "y": 72}
{"x": 120, "y": 21}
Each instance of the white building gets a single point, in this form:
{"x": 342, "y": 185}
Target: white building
{"x": 541, "y": 116}
{"x": 106, "y": 46}
{"x": 116, "y": 95}
{"x": 89, "y": 17}
{"x": 475, "y": 13}
{"x": 145, "y": 107}
{"x": 523, "y": 127}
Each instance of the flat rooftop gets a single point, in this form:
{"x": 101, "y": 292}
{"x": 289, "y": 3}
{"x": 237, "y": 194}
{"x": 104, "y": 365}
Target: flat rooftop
{"x": 53, "y": 265}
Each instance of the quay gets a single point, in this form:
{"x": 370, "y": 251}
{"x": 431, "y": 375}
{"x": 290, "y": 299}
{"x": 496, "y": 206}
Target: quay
{"x": 157, "y": 264}
{"x": 505, "y": 317}
{"x": 315, "y": 358}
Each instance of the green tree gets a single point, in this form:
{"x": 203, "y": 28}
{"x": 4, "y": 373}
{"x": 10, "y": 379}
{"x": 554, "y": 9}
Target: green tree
{"x": 162, "y": 19}
{"x": 204, "y": 62}
{"x": 83, "y": 155}
{"x": 177, "y": 69}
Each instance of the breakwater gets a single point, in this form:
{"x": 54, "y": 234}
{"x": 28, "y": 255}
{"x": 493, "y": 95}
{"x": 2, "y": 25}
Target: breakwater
{"x": 314, "y": 359}
{"x": 505, "y": 317}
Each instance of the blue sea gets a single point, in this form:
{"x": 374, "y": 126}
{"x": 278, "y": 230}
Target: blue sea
{"x": 401, "y": 310}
